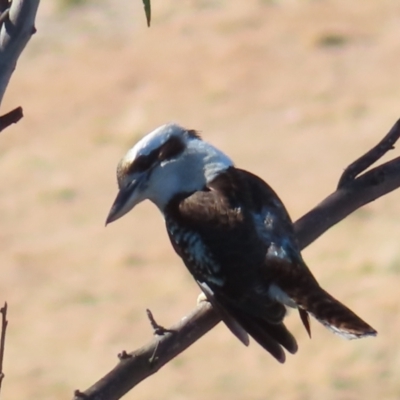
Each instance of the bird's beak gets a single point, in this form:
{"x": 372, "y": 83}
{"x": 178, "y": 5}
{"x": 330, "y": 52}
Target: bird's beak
{"x": 126, "y": 199}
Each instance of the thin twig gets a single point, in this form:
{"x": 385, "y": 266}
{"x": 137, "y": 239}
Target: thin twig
{"x": 80, "y": 395}
{"x": 158, "y": 329}
{"x": 373, "y": 155}
{"x": 10, "y": 118}
{"x": 123, "y": 355}
{"x": 4, "y": 323}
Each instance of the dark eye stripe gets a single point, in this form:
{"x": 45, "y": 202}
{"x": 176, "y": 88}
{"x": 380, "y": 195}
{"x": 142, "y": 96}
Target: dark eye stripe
{"x": 171, "y": 148}
{"x": 142, "y": 163}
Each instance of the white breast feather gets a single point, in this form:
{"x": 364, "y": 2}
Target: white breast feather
{"x": 196, "y": 253}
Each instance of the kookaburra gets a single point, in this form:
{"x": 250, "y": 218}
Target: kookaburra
{"x": 234, "y": 235}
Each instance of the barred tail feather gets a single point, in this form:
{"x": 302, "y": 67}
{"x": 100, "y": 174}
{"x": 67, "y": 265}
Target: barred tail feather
{"x": 335, "y": 315}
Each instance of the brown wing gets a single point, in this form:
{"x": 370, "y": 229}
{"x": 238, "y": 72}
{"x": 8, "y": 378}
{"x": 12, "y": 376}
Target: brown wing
{"x": 283, "y": 262}
{"x": 214, "y": 232}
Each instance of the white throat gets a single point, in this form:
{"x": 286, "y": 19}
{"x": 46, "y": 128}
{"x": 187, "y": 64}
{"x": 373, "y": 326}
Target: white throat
{"x": 189, "y": 172}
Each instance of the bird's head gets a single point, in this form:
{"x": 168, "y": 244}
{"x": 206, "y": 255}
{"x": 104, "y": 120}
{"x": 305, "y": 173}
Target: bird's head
{"x": 166, "y": 162}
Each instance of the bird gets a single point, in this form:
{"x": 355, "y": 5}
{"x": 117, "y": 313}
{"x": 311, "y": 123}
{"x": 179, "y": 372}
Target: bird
{"x": 234, "y": 235}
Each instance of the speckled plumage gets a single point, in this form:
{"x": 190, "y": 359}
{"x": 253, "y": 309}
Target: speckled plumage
{"x": 235, "y": 237}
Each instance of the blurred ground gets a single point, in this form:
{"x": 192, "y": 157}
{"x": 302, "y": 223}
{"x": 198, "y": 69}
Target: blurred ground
{"x": 292, "y": 90}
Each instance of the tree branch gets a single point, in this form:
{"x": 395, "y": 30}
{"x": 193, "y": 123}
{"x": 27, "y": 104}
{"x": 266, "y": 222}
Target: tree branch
{"x": 17, "y": 21}
{"x": 365, "y": 161}
{"x": 4, "y": 323}
{"x": 351, "y": 194}
{"x": 10, "y": 118}
{"x": 138, "y": 365}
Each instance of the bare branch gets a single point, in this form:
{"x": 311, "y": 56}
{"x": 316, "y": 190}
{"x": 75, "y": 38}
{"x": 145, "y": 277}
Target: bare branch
{"x": 15, "y": 33}
{"x": 158, "y": 329}
{"x": 138, "y": 365}
{"x": 4, "y": 323}
{"x": 365, "y": 161}
{"x": 11, "y": 117}
{"x": 352, "y": 194}
{"x": 368, "y": 187}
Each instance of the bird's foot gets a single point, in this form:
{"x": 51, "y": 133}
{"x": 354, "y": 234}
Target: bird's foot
{"x": 201, "y": 298}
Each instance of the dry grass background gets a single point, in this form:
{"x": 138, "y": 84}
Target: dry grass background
{"x": 292, "y": 90}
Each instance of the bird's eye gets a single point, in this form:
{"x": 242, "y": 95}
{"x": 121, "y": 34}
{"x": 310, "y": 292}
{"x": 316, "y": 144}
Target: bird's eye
{"x": 141, "y": 164}
{"x": 171, "y": 148}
